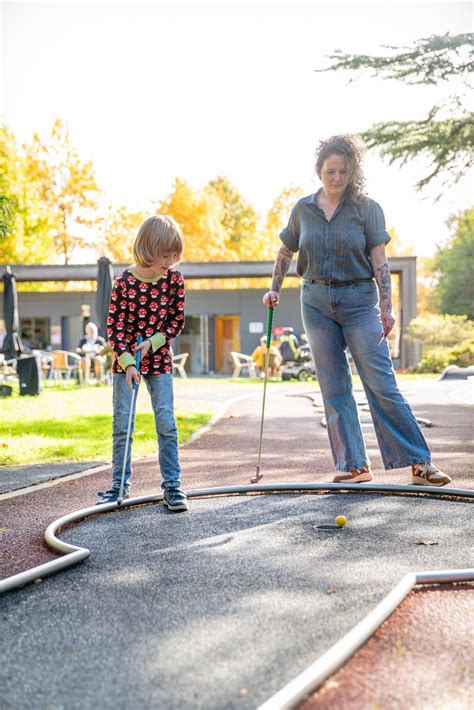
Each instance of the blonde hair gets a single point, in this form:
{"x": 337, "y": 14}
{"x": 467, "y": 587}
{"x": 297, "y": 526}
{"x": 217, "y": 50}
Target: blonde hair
{"x": 158, "y": 235}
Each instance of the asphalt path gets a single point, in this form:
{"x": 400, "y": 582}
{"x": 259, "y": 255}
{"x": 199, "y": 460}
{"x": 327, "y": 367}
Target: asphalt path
{"x": 219, "y": 607}
{"x": 228, "y": 602}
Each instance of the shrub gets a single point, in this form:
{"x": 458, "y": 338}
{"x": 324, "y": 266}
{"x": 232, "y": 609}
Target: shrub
{"x": 462, "y": 355}
{"x": 441, "y": 330}
{"x": 434, "y": 360}
{"x": 437, "y": 359}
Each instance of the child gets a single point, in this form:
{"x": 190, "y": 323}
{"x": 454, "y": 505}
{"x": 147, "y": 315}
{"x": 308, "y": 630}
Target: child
{"x": 148, "y": 300}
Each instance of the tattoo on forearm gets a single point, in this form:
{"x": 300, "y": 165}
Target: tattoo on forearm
{"x": 282, "y": 264}
{"x": 382, "y": 276}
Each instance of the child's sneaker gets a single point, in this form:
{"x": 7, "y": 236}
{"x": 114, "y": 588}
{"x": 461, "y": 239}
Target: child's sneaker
{"x": 111, "y": 496}
{"x": 425, "y": 474}
{"x": 358, "y": 475}
{"x": 175, "y": 499}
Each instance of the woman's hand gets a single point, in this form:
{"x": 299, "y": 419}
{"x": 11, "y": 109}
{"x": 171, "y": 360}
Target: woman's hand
{"x": 144, "y": 347}
{"x": 388, "y": 321}
{"x": 271, "y": 299}
{"x": 132, "y": 376}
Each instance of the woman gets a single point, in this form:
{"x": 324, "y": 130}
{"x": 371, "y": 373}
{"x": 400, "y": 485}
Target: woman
{"x": 340, "y": 236}
{"x": 90, "y": 349}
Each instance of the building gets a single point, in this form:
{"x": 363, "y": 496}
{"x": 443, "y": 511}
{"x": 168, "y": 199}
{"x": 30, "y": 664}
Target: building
{"x": 217, "y": 321}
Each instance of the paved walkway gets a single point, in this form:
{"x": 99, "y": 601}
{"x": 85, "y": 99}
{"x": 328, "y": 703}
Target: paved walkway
{"x": 233, "y": 569}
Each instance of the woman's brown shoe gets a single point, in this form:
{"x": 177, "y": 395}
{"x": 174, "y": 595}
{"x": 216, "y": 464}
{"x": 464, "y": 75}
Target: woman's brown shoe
{"x": 358, "y": 475}
{"x": 425, "y": 474}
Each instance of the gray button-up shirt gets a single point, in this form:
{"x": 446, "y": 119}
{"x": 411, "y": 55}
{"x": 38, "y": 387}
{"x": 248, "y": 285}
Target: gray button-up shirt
{"x": 338, "y": 249}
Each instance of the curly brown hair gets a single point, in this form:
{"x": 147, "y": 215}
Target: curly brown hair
{"x": 352, "y": 148}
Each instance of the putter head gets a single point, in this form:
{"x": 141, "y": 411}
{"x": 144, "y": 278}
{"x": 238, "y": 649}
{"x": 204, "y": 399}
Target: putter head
{"x": 256, "y": 478}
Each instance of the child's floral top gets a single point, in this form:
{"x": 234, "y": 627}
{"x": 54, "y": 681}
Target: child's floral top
{"x": 152, "y": 308}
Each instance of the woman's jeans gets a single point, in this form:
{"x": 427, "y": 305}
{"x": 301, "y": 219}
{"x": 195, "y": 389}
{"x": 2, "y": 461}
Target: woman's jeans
{"x": 160, "y": 388}
{"x": 337, "y": 318}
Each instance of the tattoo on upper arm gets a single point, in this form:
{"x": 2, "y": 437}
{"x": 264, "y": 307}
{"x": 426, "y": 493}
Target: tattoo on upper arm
{"x": 382, "y": 275}
{"x": 282, "y": 264}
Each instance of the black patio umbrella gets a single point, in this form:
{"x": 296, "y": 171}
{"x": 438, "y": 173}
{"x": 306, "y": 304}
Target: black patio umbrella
{"x": 105, "y": 281}
{"x": 12, "y": 345}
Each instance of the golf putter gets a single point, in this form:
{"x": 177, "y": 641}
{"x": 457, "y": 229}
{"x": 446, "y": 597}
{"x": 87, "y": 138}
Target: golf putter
{"x": 129, "y": 427}
{"x": 259, "y": 475}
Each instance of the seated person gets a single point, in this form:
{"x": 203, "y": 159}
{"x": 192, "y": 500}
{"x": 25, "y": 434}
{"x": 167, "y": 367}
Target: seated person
{"x": 89, "y": 347}
{"x": 289, "y": 346}
{"x": 274, "y": 359}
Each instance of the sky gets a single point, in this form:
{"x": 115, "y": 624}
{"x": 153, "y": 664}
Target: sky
{"x": 155, "y": 90}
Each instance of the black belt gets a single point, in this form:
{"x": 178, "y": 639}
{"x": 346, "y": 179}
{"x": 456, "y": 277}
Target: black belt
{"x": 330, "y": 282}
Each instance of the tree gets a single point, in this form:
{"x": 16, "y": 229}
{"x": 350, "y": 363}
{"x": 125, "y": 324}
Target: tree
{"x": 199, "y": 214}
{"x": 446, "y": 135}
{"x": 25, "y": 224}
{"x": 396, "y": 247}
{"x": 278, "y": 216}
{"x": 118, "y": 230}
{"x": 453, "y": 263}
{"x": 238, "y": 217}
{"x": 68, "y": 188}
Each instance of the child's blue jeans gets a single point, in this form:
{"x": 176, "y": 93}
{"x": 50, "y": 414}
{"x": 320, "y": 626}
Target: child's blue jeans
{"x": 340, "y": 317}
{"x": 160, "y": 388}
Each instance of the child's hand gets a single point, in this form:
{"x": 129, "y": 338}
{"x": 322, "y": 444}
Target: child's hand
{"x": 132, "y": 376}
{"x": 144, "y": 347}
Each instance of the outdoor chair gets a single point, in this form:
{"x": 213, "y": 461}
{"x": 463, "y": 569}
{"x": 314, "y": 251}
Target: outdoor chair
{"x": 64, "y": 365}
{"x": 243, "y": 362}
{"x": 8, "y": 374}
{"x": 179, "y": 362}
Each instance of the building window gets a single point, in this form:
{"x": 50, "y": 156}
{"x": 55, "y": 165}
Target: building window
{"x": 37, "y": 331}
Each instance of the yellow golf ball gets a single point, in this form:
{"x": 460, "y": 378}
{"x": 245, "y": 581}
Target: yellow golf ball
{"x": 341, "y": 520}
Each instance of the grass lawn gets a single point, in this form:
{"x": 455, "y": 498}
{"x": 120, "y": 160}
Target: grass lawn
{"x": 75, "y": 424}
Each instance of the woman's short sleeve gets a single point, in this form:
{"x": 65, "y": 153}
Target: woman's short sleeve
{"x": 290, "y": 235}
{"x": 375, "y": 231}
